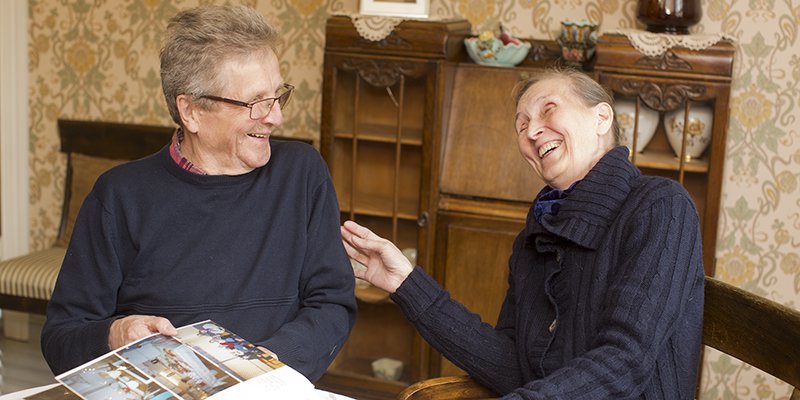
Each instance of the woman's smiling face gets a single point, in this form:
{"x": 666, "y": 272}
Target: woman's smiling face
{"x": 560, "y": 136}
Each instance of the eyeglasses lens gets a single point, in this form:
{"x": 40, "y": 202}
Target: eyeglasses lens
{"x": 262, "y": 108}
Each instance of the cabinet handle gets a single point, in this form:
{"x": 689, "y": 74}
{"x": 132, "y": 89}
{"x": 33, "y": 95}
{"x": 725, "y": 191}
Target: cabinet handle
{"x": 422, "y": 220}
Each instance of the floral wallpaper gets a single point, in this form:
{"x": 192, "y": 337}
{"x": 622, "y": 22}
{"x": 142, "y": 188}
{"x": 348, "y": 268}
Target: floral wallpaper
{"x": 98, "y": 59}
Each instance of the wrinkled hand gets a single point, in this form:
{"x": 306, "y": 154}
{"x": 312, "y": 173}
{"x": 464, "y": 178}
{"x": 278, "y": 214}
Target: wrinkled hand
{"x": 387, "y": 267}
{"x": 134, "y": 327}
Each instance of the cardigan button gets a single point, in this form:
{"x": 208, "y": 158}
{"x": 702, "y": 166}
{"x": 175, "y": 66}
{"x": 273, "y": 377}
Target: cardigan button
{"x": 553, "y": 325}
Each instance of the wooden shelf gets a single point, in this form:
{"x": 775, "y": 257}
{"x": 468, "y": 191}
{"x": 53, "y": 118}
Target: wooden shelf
{"x": 383, "y": 134}
{"x": 669, "y": 162}
{"x": 362, "y": 368}
{"x": 378, "y": 206}
{"x": 372, "y": 295}
{"x": 381, "y": 114}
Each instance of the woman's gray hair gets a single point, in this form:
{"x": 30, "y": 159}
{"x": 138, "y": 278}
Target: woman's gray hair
{"x": 200, "y": 39}
{"x": 585, "y": 88}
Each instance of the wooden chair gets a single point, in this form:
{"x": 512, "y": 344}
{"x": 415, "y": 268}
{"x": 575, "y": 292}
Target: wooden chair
{"x": 446, "y": 388}
{"x": 753, "y": 329}
{"x": 748, "y": 327}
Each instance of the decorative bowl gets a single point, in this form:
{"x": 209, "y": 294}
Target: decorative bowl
{"x": 493, "y": 52}
{"x": 626, "y": 119}
{"x": 698, "y": 131}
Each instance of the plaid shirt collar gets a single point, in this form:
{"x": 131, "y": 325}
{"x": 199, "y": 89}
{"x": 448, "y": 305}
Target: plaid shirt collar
{"x": 175, "y": 152}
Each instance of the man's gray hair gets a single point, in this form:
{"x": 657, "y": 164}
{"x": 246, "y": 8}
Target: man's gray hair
{"x": 199, "y": 40}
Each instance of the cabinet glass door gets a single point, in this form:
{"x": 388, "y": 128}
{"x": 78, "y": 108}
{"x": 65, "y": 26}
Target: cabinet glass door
{"x": 377, "y": 118}
{"x": 677, "y": 126}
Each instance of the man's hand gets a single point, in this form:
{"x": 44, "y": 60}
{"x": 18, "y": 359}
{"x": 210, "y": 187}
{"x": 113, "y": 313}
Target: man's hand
{"x": 134, "y": 327}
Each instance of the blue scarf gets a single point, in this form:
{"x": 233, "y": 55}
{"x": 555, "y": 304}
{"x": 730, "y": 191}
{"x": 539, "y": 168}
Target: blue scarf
{"x": 549, "y": 202}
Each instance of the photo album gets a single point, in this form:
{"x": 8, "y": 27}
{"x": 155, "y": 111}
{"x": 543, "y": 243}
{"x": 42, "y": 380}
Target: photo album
{"x": 203, "y": 361}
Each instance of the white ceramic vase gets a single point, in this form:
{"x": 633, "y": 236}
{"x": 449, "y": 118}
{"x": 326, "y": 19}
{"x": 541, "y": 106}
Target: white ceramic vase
{"x": 648, "y": 122}
{"x": 698, "y": 132}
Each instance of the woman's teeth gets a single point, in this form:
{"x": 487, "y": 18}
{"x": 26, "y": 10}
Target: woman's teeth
{"x": 257, "y": 135}
{"x": 547, "y": 147}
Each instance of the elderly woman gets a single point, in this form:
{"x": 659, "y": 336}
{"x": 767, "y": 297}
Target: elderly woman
{"x": 222, "y": 224}
{"x": 605, "y": 297}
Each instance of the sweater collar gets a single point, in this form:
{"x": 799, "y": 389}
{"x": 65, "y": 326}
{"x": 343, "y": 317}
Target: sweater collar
{"x": 586, "y": 214}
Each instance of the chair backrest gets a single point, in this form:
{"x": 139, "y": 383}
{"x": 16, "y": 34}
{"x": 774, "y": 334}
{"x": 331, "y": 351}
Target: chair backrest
{"x": 753, "y": 329}
{"x": 92, "y": 147}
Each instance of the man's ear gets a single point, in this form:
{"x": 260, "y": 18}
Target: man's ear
{"x": 189, "y": 112}
{"x": 605, "y": 118}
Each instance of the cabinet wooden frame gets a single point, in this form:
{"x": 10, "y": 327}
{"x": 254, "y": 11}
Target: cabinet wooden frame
{"x": 454, "y": 205}
{"x": 679, "y": 78}
{"x": 382, "y": 113}
{"x": 377, "y": 188}
{"x": 472, "y": 252}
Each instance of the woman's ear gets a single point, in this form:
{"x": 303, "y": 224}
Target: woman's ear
{"x": 605, "y": 118}
{"x": 189, "y": 112}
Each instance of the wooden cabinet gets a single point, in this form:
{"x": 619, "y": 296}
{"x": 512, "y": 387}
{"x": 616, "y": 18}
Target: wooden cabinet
{"x": 485, "y": 189}
{"x": 382, "y": 113}
{"x": 679, "y": 80}
{"x": 420, "y": 143}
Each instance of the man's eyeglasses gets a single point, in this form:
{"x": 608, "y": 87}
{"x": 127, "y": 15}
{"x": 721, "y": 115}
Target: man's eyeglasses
{"x": 260, "y": 108}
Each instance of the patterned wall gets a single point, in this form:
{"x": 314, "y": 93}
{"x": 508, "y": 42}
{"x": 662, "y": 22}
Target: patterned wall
{"x": 98, "y": 59}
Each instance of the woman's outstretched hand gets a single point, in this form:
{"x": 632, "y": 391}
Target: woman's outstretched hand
{"x": 387, "y": 267}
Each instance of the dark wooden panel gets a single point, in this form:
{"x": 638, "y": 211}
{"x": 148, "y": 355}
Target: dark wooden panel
{"x": 112, "y": 139}
{"x": 23, "y": 304}
{"x": 425, "y": 39}
{"x": 472, "y": 263}
{"x": 481, "y": 157}
{"x": 119, "y": 140}
{"x": 716, "y": 62}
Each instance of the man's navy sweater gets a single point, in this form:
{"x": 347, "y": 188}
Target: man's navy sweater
{"x": 259, "y": 253}
{"x": 605, "y": 297}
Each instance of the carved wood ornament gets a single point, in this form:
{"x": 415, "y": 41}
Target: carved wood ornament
{"x": 380, "y": 73}
{"x": 662, "y": 96}
{"x": 391, "y": 41}
{"x": 668, "y": 60}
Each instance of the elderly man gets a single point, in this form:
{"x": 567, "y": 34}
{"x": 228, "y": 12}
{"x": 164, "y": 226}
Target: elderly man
{"x": 221, "y": 224}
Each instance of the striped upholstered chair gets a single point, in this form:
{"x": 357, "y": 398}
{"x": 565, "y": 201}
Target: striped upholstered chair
{"x": 26, "y": 282}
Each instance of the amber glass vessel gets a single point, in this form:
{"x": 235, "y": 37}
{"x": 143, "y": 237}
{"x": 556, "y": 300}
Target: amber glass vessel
{"x": 669, "y": 16}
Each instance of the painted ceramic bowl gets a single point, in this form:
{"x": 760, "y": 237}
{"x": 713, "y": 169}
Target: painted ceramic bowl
{"x": 626, "y": 119}
{"x": 495, "y": 53}
{"x": 698, "y": 130}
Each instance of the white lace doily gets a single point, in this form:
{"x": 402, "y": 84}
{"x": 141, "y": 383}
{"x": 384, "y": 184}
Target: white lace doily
{"x": 655, "y": 44}
{"x": 377, "y": 27}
